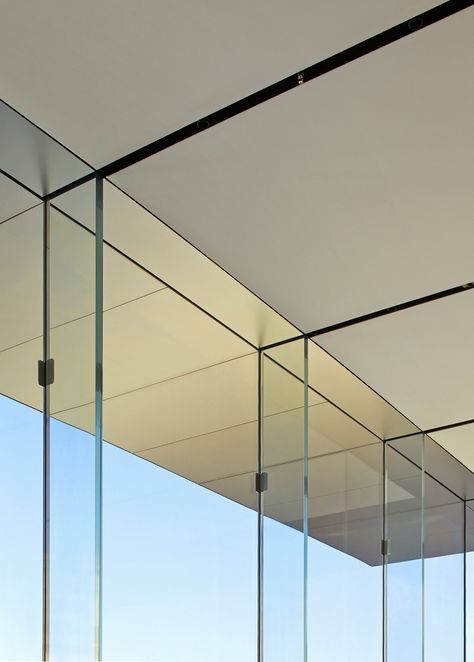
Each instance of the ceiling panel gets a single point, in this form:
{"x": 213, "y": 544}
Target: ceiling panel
{"x": 149, "y": 242}
{"x": 161, "y": 336}
{"x": 14, "y": 199}
{"x": 421, "y": 359}
{"x": 348, "y": 194}
{"x": 459, "y": 442}
{"x": 217, "y": 455}
{"x": 72, "y": 271}
{"x": 139, "y": 70}
{"x": 21, "y": 290}
{"x": 344, "y": 389}
{"x": 197, "y": 403}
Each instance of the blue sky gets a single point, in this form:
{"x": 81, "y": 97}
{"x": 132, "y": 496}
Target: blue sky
{"x": 179, "y": 581}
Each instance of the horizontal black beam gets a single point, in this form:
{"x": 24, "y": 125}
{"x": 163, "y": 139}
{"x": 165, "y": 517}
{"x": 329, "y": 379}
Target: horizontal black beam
{"x": 374, "y": 315}
{"x": 331, "y": 63}
{"x": 450, "y": 426}
{"x": 392, "y": 309}
{"x": 290, "y": 82}
{"x": 439, "y": 428}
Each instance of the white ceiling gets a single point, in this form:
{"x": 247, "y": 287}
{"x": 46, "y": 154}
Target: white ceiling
{"x": 420, "y": 359}
{"x": 459, "y": 442}
{"x": 107, "y": 77}
{"x": 349, "y": 194}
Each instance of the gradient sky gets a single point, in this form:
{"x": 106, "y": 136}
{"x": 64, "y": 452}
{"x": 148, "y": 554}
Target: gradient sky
{"x": 179, "y": 582}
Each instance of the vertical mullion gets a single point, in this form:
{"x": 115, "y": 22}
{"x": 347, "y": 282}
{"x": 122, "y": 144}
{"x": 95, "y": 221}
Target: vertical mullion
{"x": 422, "y": 547}
{"x": 465, "y": 583}
{"x": 99, "y": 232}
{"x": 260, "y": 513}
{"x": 305, "y": 502}
{"x": 46, "y": 437}
{"x": 384, "y": 559}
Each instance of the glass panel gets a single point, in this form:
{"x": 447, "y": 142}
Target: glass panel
{"x": 284, "y": 507}
{"x": 404, "y": 570}
{"x": 180, "y": 512}
{"x": 441, "y": 464}
{"x": 345, "y": 490}
{"x": 72, "y": 447}
{"x": 469, "y": 581}
{"x": 443, "y": 574}
{"x": 21, "y": 429}
{"x": 344, "y": 389}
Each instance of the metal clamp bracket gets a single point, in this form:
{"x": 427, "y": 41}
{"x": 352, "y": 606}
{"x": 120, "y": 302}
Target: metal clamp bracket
{"x": 261, "y": 482}
{"x": 46, "y": 372}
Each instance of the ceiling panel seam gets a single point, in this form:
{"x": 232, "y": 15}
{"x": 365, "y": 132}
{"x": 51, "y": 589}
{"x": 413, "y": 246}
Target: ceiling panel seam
{"x": 427, "y": 473}
{"x": 20, "y": 184}
{"x": 81, "y": 317}
{"x": 296, "y": 460}
{"x": 24, "y": 211}
{"x": 228, "y": 427}
{"x": 160, "y": 280}
{"x": 161, "y": 381}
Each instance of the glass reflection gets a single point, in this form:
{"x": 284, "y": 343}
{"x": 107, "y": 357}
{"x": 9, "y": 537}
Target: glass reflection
{"x": 21, "y": 426}
{"x": 71, "y": 301}
{"x": 180, "y": 517}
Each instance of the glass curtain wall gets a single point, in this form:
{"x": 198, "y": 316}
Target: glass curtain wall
{"x": 21, "y": 424}
{"x": 179, "y": 459}
{"x": 181, "y": 493}
{"x": 322, "y": 582}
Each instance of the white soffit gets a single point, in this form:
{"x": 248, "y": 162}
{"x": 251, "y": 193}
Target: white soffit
{"x": 351, "y": 193}
{"x": 139, "y": 70}
{"x": 155, "y": 247}
{"x": 459, "y": 442}
{"x": 421, "y": 359}
{"x": 341, "y": 387}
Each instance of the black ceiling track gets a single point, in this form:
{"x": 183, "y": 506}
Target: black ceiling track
{"x": 450, "y": 426}
{"x": 346, "y": 56}
{"x": 458, "y": 289}
{"x": 393, "y": 309}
